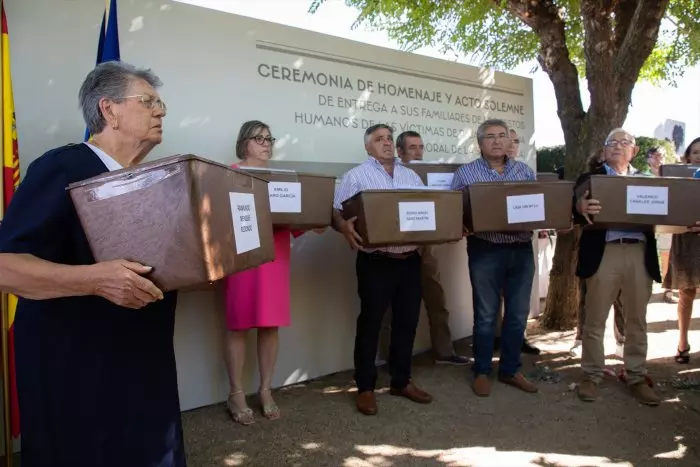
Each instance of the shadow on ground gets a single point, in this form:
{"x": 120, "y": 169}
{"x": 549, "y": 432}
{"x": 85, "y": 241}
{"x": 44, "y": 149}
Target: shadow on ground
{"x": 321, "y": 426}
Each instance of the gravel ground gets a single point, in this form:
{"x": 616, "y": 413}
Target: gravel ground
{"x": 320, "y": 426}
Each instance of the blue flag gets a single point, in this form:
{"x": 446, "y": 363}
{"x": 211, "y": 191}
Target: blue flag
{"x": 108, "y": 44}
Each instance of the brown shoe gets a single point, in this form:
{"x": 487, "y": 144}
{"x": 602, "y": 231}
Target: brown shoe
{"x": 587, "y": 390}
{"x": 413, "y": 393}
{"x": 482, "y": 386}
{"x": 645, "y": 394}
{"x": 520, "y": 382}
{"x": 367, "y": 403}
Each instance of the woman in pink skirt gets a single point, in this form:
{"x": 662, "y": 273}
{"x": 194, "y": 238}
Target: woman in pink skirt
{"x": 256, "y": 298}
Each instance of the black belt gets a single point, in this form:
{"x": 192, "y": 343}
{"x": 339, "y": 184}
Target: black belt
{"x": 406, "y": 255}
{"x": 628, "y": 241}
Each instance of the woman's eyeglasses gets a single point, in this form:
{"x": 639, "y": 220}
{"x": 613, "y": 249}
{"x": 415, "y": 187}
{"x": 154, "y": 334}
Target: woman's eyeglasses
{"x": 148, "y": 101}
{"x": 260, "y": 139}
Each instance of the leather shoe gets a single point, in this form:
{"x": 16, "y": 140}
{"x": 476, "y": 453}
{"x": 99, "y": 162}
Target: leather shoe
{"x": 411, "y": 392}
{"x": 519, "y": 381}
{"x": 482, "y": 386}
{"x": 367, "y": 403}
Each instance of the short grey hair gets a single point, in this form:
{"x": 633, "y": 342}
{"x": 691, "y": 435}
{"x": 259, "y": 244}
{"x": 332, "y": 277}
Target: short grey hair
{"x": 621, "y": 130}
{"x": 378, "y": 126}
{"x": 480, "y": 132}
{"x": 109, "y": 80}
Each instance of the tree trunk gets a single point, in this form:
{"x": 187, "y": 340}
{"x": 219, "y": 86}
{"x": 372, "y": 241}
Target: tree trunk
{"x": 562, "y": 306}
{"x": 563, "y": 294}
{"x": 615, "y": 53}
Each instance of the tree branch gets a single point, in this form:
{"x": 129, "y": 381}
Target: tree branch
{"x": 598, "y": 51}
{"x": 624, "y": 12}
{"x": 544, "y": 19}
{"x": 639, "y": 40}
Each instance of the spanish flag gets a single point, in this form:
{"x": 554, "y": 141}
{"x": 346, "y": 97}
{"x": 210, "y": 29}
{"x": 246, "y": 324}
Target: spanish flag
{"x": 10, "y": 180}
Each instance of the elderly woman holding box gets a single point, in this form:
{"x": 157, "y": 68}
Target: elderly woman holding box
{"x": 94, "y": 342}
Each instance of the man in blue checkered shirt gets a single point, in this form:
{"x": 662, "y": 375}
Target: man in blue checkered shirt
{"x": 498, "y": 261}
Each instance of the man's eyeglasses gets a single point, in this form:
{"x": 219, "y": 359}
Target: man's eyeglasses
{"x": 625, "y": 143}
{"x": 148, "y": 101}
{"x": 260, "y": 139}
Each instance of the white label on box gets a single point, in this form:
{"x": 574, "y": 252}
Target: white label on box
{"x": 284, "y": 196}
{"x": 525, "y": 208}
{"x": 440, "y": 180}
{"x": 416, "y": 216}
{"x": 245, "y": 222}
{"x": 647, "y": 200}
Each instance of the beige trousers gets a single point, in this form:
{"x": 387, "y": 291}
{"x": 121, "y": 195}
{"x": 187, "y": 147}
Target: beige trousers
{"x": 622, "y": 268}
{"x": 434, "y": 299}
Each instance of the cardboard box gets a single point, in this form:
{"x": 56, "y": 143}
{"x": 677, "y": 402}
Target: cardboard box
{"x": 298, "y": 201}
{"x": 193, "y": 220}
{"x": 637, "y": 203}
{"x": 434, "y": 174}
{"x": 518, "y": 206}
{"x": 406, "y": 217}
{"x": 547, "y": 177}
{"x": 679, "y": 170}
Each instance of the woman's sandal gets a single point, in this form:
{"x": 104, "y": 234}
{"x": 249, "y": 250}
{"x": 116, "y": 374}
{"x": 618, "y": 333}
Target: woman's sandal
{"x": 270, "y": 411}
{"x": 683, "y": 356}
{"x": 241, "y": 416}
{"x": 669, "y": 297}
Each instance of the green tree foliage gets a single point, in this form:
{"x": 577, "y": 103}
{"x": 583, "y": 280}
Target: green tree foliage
{"x": 488, "y": 34}
{"x": 645, "y": 143}
{"x": 550, "y": 158}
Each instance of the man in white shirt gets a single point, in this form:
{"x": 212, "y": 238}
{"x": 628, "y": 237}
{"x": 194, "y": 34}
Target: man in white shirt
{"x": 389, "y": 276}
{"x": 409, "y": 147}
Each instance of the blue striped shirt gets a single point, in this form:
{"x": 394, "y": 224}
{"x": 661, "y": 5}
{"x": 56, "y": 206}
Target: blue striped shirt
{"x": 480, "y": 171}
{"x": 371, "y": 175}
{"x": 697, "y": 173}
{"x": 612, "y": 235}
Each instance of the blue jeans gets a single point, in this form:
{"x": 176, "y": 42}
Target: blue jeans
{"x": 497, "y": 269}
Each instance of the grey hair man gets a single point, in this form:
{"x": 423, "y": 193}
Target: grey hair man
{"x": 409, "y": 146}
{"x": 389, "y": 276}
{"x": 498, "y": 262}
{"x": 613, "y": 261}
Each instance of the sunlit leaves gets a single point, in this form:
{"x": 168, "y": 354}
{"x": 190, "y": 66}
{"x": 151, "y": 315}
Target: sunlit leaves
{"x": 487, "y": 34}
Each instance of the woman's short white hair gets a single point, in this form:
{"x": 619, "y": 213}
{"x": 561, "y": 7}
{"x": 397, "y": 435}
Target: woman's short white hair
{"x": 109, "y": 80}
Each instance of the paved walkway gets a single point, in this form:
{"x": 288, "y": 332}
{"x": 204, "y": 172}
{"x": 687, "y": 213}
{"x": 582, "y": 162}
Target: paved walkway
{"x": 320, "y": 426}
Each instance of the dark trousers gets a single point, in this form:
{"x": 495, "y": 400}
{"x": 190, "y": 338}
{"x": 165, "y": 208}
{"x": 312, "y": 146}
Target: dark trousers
{"x": 494, "y": 268}
{"x": 384, "y": 281}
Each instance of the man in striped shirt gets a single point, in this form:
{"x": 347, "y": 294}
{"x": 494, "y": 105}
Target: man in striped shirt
{"x": 385, "y": 276}
{"x": 498, "y": 261}
{"x": 513, "y": 152}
